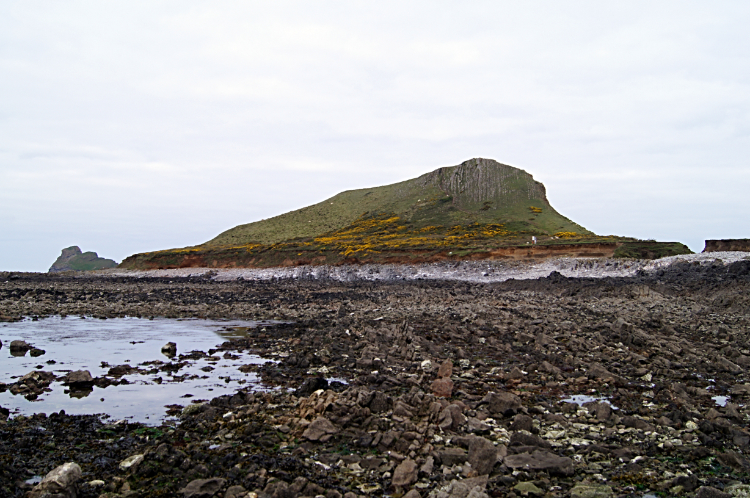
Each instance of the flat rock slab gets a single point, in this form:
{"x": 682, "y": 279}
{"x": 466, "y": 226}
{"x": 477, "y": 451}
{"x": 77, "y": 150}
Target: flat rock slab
{"x": 541, "y": 460}
{"x": 591, "y": 491}
{"x": 319, "y": 427}
{"x": 503, "y": 403}
{"x": 203, "y": 488}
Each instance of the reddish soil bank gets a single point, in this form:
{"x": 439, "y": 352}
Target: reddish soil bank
{"x": 240, "y": 259}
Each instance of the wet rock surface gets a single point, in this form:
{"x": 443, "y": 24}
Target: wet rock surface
{"x": 652, "y": 353}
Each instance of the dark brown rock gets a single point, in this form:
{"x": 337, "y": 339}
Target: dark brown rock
{"x": 79, "y": 377}
{"x": 453, "y": 456}
{"x": 541, "y": 460}
{"x": 522, "y": 423}
{"x": 503, "y": 403}
{"x": 405, "y": 474}
{"x": 445, "y": 370}
{"x": 709, "y": 492}
{"x": 482, "y": 455}
{"x": 319, "y": 427}
{"x": 451, "y": 418}
{"x": 442, "y": 387}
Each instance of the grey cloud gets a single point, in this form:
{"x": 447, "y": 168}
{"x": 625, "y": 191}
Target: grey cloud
{"x": 116, "y": 118}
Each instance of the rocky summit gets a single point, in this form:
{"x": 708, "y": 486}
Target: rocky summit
{"x": 72, "y": 259}
{"x": 631, "y": 386}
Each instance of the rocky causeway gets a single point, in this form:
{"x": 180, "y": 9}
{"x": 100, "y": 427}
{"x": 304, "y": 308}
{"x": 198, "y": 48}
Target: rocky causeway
{"x": 581, "y": 378}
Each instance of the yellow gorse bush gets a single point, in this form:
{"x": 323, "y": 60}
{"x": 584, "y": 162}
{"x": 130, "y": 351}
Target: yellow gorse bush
{"x": 382, "y": 233}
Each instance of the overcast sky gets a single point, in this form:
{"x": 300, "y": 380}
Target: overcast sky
{"x": 141, "y": 125}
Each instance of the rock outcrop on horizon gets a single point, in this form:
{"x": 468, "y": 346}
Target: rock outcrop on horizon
{"x": 727, "y": 245}
{"x": 72, "y": 259}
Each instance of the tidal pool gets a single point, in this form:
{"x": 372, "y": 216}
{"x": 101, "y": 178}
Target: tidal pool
{"x": 580, "y": 399}
{"x": 77, "y": 343}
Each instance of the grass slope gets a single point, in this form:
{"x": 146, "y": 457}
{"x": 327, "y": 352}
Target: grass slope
{"x": 477, "y": 191}
{"x": 478, "y": 209}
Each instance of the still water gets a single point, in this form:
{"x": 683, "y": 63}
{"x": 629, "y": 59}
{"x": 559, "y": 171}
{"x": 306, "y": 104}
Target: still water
{"x": 76, "y": 343}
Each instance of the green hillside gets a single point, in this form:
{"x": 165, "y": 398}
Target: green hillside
{"x": 476, "y": 191}
{"x": 480, "y": 209}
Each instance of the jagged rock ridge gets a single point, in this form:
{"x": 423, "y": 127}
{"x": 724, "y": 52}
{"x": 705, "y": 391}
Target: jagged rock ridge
{"x": 72, "y": 259}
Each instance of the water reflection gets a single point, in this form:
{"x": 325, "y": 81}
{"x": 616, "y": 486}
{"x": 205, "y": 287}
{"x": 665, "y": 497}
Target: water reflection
{"x": 126, "y": 358}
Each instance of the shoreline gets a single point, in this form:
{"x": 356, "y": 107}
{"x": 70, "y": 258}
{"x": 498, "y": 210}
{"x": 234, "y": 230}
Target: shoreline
{"x": 483, "y": 271}
{"x": 452, "y": 384}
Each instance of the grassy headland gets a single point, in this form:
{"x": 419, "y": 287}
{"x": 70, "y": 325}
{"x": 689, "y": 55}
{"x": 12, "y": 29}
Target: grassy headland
{"x": 478, "y": 209}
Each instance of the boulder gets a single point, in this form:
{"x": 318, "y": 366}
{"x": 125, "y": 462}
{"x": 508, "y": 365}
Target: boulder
{"x": 19, "y": 348}
{"x": 524, "y": 439}
{"x": 502, "y": 403}
{"x": 709, "y": 492}
{"x": 379, "y": 403}
{"x": 445, "y": 370}
{"x": 515, "y": 374}
{"x": 451, "y": 417}
{"x": 442, "y": 387}
{"x": 319, "y": 428}
{"x": 527, "y": 488}
{"x": 203, "y": 488}
{"x": 522, "y": 423}
{"x": 79, "y": 377}
{"x": 310, "y": 386}
{"x": 591, "y": 491}
{"x": 466, "y": 488}
{"x": 541, "y": 460}
{"x": 235, "y": 492}
{"x": 169, "y": 349}
{"x": 482, "y": 455}
{"x": 62, "y": 482}
{"x": 452, "y": 456}
{"x": 131, "y": 462}
{"x": 405, "y": 474}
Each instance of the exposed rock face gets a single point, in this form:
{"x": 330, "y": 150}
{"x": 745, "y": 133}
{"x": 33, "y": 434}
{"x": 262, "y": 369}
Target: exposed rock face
{"x": 485, "y": 180}
{"x": 73, "y": 259}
